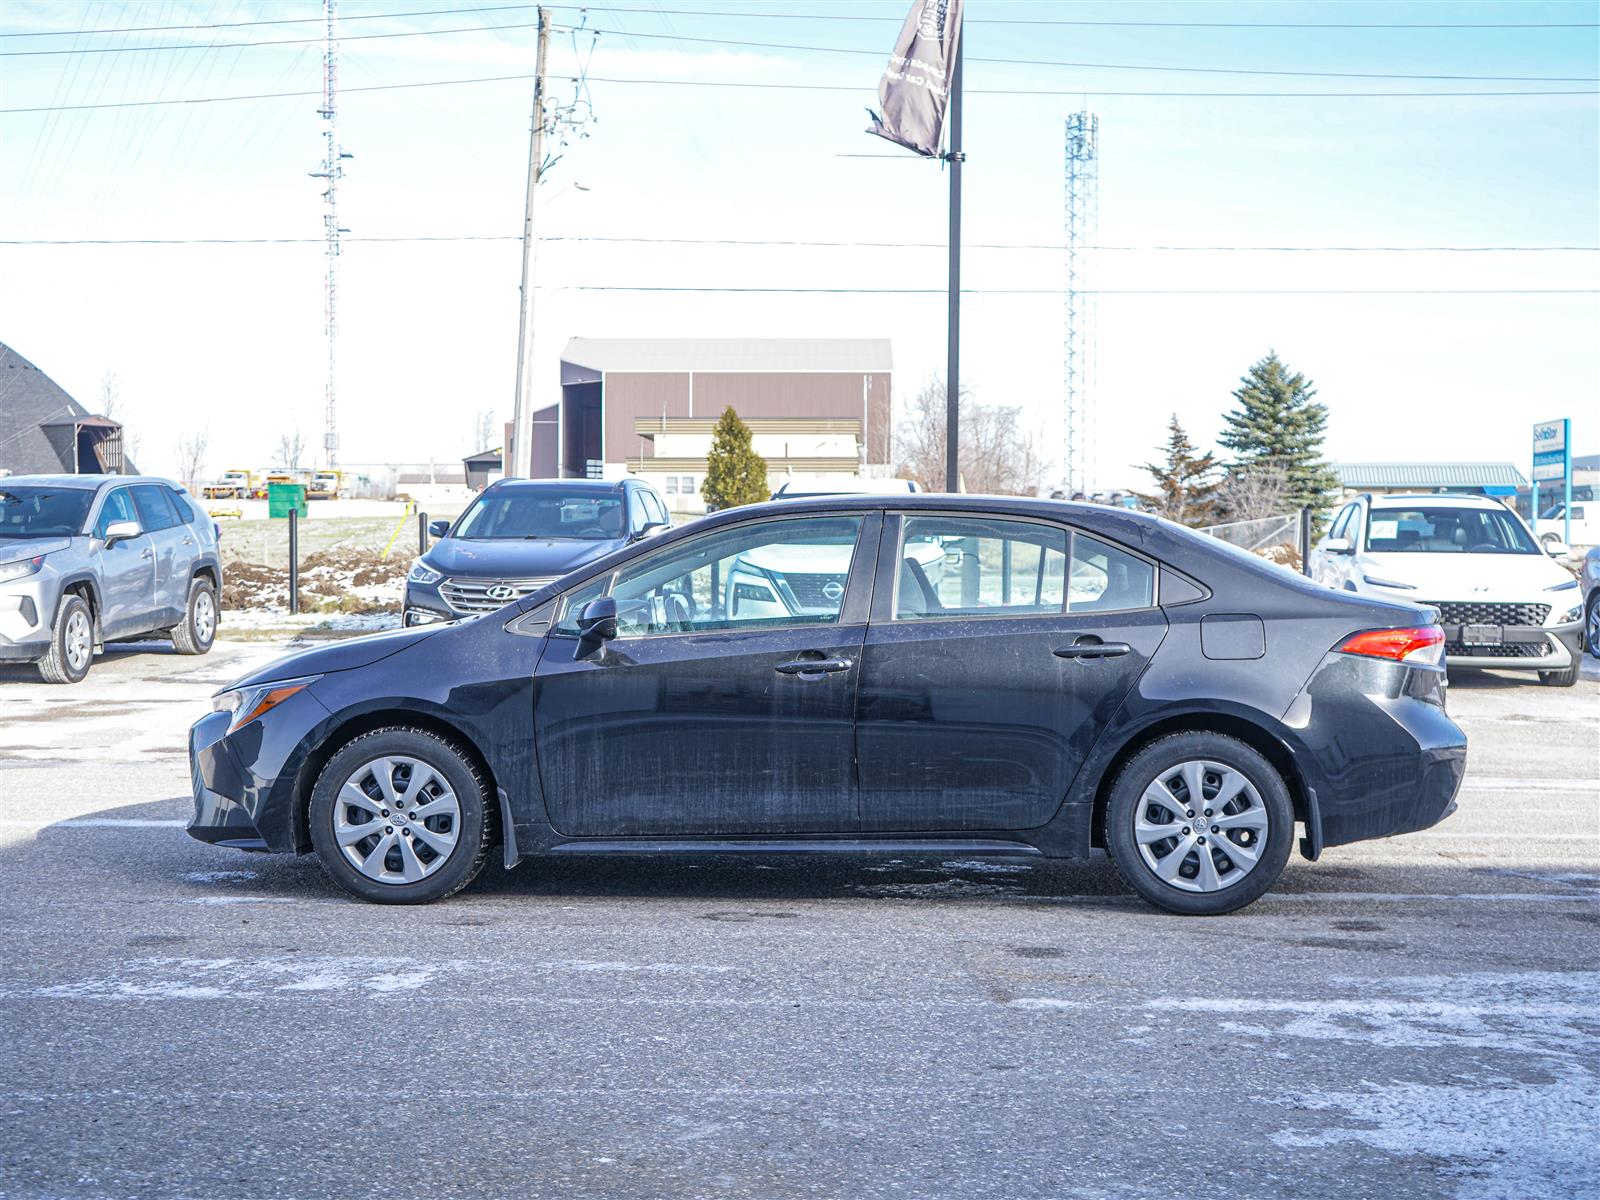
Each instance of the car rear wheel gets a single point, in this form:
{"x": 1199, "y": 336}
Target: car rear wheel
{"x": 1199, "y": 824}
{"x": 71, "y": 643}
{"x": 199, "y": 627}
{"x": 400, "y": 816}
{"x": 1591, "y": 625}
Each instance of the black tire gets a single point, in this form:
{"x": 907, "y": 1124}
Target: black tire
{"x": 70, "y": 655}
{"x": 474, "y": 832}
{"x": 1591, "y": 625}
{"x": 199, "y": 627}
{"x": 1567, "y": 678}
{"x": 1127, "y": 803}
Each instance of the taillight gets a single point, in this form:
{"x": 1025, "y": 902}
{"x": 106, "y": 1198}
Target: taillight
{"x": 1414, "y": 644}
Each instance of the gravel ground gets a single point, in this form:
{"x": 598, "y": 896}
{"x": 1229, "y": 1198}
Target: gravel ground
{"x": 1415, "y": 1017}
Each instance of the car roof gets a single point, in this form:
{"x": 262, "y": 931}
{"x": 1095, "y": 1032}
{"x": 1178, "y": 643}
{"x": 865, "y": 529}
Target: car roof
{"x": 599, "y": 487}
{"x": 1436, "y": 500}
{"x": 1056, "y": 510}
{"x": 82, "y": 482}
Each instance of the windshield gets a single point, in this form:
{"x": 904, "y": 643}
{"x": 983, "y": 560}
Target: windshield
{"x": 1447, "y": 531}
{"x": 524, "y": 513}
{"x": 27, "y": 512}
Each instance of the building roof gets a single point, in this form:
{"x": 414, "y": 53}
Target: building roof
{"x": 1359, "y": 476}
{"x": 30, "y": 404}
{"x": 852, "y": 355}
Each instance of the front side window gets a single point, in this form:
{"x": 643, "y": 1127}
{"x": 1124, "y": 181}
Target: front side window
{"x": 118, "y": 507}
{"x": 1445, "y": 530}
{"x": 529, "y": 513}
{"x": 979, "y": 566}
{"x": 782, "y": 572}
{"x": 28, "y": 511}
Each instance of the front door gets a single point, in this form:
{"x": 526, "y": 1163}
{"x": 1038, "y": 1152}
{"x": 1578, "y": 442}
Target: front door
{"x": 986, "y": 675}
{"x": 127, "y": 570}
{"x": 726, "y": 703}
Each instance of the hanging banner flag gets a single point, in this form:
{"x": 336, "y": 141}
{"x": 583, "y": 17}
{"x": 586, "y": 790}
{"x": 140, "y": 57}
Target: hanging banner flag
{"x": 916, "y": 86}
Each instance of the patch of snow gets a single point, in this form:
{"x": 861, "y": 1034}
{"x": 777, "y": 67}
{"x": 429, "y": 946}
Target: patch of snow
{"x": 943, "y": 890}
{"x": 982, "y": 867}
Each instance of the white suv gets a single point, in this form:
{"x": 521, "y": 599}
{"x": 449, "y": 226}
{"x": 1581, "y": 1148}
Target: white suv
{"x": 1502, "y": 601}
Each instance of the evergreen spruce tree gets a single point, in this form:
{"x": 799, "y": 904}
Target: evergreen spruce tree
{"x": 1186, "y": 484}
{"x": 1279, "y": 427}
{"x": 735, "y": 473}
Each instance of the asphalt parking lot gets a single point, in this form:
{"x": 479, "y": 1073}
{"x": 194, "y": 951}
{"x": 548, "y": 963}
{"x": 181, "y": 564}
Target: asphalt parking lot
{"x": 1416, "y": 1017}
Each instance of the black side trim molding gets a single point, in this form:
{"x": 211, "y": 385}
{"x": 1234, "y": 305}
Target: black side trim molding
{"x": 780, "y": 845}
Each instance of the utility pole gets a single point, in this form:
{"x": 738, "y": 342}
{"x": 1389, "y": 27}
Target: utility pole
{"x": 332, "y": 170}
{"x": 519, "y": 462}
{"x": 952, "y": 374}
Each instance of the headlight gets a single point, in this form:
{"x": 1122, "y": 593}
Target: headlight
{"x": 1389, "y": 583}
{"x": 21, "y": 568}
{"x": 1575, "y": 613}
{"x": 421, "y": 572}
{"x": 248, "y": 703}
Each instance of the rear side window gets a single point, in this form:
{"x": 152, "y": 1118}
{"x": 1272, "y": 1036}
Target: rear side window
{"x": 118, "y": 506}
{"x": 979, "y": 566}
{"x": 155, "y": 507}
{"x": 1107, "y": 579}
{"x": 188, "y": 512}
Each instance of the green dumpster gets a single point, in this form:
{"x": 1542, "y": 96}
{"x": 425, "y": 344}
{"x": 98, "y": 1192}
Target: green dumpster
{"x": 284, "y": 497}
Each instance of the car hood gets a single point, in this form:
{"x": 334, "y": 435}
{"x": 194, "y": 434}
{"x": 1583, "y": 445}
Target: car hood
{"x": 1484, "y": 577}
{"x": 514, "y": 558}
{"x": 338, "y": 656}
{"x": 12, "y": 549}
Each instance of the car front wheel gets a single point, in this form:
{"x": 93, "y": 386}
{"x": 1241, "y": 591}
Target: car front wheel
{"x": 401, "y": 816}
{"x": 1199, "y": 824}
{"x": 71, "y": 642}
{"x": 1591, "y": 625}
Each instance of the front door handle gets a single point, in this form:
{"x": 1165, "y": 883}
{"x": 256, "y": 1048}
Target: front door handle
{"x": 813, "y": 666}
{"x": 147, "y": 553}
{"x": 1091, "y": 650}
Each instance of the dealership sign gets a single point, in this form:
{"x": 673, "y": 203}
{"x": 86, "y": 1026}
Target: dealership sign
{"x": 1552, "y": 455}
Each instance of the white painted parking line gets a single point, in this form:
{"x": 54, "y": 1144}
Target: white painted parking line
{"x": 1491, "y": 782}
{"x": 93, "y": 823}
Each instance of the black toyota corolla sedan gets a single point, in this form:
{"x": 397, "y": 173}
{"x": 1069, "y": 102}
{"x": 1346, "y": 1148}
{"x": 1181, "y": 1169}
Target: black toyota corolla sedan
{"x": 948, "y": 674}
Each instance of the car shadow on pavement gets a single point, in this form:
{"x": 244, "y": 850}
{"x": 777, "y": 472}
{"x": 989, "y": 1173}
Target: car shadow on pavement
{"x": 116, "y": 652}
{"x": 108, "y": 844}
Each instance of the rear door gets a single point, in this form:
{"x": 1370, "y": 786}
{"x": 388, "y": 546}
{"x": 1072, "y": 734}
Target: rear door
{"x": 986, "y": 677}
{"x": 726, "y": 704}
{"x": 172, "y": 558}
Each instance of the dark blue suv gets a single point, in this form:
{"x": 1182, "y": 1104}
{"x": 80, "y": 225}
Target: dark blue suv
{"x": 520, "y": 534}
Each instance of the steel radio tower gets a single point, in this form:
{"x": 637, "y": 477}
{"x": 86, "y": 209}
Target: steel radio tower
{"x": 1083, "y": 226}
{"x": 332, "y": 171}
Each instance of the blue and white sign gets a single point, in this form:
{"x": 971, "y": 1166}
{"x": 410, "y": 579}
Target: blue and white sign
{"x": 1552, "y": 457}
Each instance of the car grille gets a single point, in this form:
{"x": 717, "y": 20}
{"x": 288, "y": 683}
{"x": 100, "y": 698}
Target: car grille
{"x": 468, "y": 596}
{"x": 1467, "y": 612}
{"x": 811, "y": 591}
{"x": 1509, "y": 650}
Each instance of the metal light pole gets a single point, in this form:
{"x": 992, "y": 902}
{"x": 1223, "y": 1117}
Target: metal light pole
{"x": 952, "y": 374}
{"x": 519, "y": 459}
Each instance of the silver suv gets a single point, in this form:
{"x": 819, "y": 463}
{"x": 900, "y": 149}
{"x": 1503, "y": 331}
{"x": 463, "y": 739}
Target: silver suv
{"x": 90, "y": 559}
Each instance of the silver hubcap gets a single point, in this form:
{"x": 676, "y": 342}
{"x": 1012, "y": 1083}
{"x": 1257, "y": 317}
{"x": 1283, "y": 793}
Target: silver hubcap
{"x": 1200, "y": 826}
{"x": 78, "y": 642}
{"x": 396, "y": 820}
{"x": 205, "y": 615}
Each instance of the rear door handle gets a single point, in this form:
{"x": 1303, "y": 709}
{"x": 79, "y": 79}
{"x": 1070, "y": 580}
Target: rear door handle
{"x": 1093, "y": 650}
{"x": 813, "y": 666}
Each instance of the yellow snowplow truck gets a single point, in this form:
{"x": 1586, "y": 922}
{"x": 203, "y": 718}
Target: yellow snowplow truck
{"x": 233, "y": 485}
{"x": 325, "y": 485}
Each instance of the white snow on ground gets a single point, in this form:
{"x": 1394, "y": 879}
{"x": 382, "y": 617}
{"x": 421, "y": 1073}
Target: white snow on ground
{"x": 256, "y": 620}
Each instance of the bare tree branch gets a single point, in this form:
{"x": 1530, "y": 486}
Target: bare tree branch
{"x": 997, "y": 453}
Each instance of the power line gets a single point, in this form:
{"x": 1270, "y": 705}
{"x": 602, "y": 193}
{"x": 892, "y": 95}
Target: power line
{"x": 813, "y": 17}
{"x": 939, "y": 291}
{"x": 1054, "y": 247}
{"x": 522, "y": 77}
{"x": 808, "y": 49}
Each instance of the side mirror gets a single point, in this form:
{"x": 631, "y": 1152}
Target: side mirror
{"x": 597, "y": 624}
{"x": 1557, "y": 549}
{"x": 121, "y": 531}
{"x": 1338, "y": 545}
{"x": 651, "y": 528}
{"x": 438, "y": 528}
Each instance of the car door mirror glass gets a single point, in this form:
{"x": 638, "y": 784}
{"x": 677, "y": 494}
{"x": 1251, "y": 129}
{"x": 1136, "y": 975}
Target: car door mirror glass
{"x": 121, "y": 531}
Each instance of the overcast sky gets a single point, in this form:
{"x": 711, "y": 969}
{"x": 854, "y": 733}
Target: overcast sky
{"x": 230, "y": 337}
